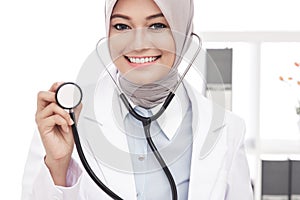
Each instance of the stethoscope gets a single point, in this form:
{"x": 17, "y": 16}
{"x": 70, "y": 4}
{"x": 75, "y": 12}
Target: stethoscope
{"x": 69, "y": 95}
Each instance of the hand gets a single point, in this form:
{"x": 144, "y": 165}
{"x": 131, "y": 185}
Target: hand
{"x": 54, "y": 125}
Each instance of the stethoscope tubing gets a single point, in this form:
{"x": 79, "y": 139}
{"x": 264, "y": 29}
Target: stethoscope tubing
{"x": 146, "y": 121}
{"x": 85, "y": 163}
{"x": 161, "y": 161}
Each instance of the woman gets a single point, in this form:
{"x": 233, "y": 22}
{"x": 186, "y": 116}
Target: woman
{"x": 146, "y": 49}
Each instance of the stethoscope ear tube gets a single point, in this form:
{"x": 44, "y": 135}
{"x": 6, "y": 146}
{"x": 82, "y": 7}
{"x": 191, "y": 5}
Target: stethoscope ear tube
{"x": 152, "y": 118}
{"x": 164, "y": 106}
{"x": 85, "y": 163}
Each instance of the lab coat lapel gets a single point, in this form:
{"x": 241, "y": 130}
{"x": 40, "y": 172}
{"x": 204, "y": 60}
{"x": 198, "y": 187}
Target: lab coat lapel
{"x": 115, "y": 164}
{"x": 209, "y": 147}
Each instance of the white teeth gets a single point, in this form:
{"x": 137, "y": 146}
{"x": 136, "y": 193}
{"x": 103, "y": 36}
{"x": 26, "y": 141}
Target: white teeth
{"x": 142, "y": 60}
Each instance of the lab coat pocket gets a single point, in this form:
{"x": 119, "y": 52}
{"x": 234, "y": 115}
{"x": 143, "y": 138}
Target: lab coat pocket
{"x": 220, "y": 186}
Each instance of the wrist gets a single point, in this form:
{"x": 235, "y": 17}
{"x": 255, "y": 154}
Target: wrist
{"x": 58, "y": 169}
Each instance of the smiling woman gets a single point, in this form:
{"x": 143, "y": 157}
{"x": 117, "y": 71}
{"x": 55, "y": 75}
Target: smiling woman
{"x": 143, "y": 49}
{"x": 141, "y": 40}
{"x": 194, "y": 150}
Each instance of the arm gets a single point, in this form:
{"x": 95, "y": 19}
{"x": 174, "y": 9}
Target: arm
{"x": 49, "y": 167}
{"x": 37, "y": 180}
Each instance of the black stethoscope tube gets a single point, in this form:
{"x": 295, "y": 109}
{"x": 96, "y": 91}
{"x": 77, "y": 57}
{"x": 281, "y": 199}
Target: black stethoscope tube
{"x": 160, "y": 160}
{"x": 85, "y": 163}
{"x": 153, "y": 117}
{"x": 146, "y": 121}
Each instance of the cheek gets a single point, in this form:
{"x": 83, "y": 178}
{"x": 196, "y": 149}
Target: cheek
{"x": 121, "y": 65}
{"x": 166, "y": 44}
{"x": 168, "y": 59}
{"x": 117, "y": 45}
{"x": 164, "y": 41}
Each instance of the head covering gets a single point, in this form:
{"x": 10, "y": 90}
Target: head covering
{"x": 181, "y": 26}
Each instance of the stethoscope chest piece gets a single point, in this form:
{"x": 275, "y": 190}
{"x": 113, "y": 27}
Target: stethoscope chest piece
{"x": 68, "y": 95}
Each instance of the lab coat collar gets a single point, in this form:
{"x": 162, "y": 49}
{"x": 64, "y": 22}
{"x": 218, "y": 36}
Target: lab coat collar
{"x": 208, "y": 120}
{"x": 207, "y": 116}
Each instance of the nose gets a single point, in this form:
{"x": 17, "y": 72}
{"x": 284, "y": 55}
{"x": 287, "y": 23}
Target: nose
{"x": 140, "y": 41}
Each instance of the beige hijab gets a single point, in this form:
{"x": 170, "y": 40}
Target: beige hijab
{"x": 179, "y": 14}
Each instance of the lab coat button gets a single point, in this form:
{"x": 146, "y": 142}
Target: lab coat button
{"x": 141, "y": 157}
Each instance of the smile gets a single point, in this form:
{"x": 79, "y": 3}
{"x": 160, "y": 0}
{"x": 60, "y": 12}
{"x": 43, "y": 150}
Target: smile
{"x": 142, "y": 60}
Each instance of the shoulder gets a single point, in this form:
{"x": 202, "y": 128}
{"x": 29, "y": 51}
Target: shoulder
{"x": 236, "y": 129}
{"x": 219, "y": 128}
{"x": 215, "y": 115}
{"x": 233, "y": 123}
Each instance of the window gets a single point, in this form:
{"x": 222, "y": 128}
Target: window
{"x": 278, "y": 99}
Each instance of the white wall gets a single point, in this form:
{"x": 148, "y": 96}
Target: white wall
{"x": 247, "y": 15}
{"x": 40, "y": 42}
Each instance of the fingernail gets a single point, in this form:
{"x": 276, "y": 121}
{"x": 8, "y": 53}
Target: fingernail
{"x": 71, "y": 122}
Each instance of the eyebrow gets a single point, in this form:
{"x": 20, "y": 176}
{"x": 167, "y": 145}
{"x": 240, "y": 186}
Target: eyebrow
{"x": 119, "y": 16}
{"x": 128, "y": 18}
{"x": 155, "y": 16}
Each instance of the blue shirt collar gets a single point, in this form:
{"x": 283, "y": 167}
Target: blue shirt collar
{"x": 173, "y": 115}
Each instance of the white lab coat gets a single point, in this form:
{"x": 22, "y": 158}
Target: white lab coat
{"x": 219, "y": 169}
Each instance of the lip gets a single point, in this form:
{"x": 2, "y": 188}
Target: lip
{"x": 143, "y": 60}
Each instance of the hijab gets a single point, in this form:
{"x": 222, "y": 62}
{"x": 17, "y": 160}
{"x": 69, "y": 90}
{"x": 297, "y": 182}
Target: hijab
{"x": 181, "y": 25}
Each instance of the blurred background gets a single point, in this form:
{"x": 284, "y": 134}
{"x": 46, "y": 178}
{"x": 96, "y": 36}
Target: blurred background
{"x": 256, "y": 45}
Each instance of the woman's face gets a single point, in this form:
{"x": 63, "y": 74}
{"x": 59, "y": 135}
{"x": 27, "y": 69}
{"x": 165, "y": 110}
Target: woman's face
{"x": 140, "y": 40}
